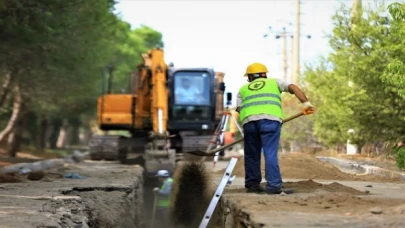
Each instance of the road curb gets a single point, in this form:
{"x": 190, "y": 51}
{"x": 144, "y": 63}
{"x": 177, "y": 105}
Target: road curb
{"x": 346, "y": 165}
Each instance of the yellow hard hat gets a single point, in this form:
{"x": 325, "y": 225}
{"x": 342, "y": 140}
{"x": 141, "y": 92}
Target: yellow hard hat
{"x": 255, "y": 68}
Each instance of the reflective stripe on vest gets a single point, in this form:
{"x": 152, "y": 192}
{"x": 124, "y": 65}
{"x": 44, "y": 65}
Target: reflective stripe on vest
{"x": 164, "y": 201}
{"x": 262, "y": 96}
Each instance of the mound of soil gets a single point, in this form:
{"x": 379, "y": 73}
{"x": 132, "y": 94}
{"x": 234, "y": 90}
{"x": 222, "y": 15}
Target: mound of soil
{"x": 310, "y": 186}
{"x": 9, "y": 178}
{"x": 305, "y": 166}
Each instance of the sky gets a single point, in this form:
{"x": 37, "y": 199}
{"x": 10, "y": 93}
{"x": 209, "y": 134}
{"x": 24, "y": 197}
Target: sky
{"x": 228, "y": 35}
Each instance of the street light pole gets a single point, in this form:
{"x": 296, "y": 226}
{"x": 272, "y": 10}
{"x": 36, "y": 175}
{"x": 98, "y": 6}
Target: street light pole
{"x": 296, "y": 46}
{"x": 283, "y": 35}
{"x": 291, "y": 58}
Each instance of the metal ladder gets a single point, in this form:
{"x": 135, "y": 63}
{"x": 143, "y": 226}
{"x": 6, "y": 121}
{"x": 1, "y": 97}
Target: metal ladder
{"x": 226, "y": 179}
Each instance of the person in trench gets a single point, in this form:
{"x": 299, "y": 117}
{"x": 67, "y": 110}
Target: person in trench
{"x": 163, "y": 194}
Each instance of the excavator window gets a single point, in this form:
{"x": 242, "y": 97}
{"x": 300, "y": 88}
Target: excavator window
{"x": 191, "y": 88}
{"x": 192, "y": 96}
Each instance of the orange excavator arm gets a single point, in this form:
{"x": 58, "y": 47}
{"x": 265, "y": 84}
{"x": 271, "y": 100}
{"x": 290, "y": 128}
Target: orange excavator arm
{"x": 159, "y": 110}
{"x": 152, "y": 93}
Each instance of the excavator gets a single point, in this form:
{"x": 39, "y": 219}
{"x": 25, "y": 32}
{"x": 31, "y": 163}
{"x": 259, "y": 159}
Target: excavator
{"x": 166, "y": 112}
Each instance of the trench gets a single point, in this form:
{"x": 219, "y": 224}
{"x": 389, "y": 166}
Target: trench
{"x": 98, "y": 206}
{"x": 112, "y": 206}
{"x": 229, "y": 215}
{"x": 125, "y": 206}
{"x": 217, "y": 221}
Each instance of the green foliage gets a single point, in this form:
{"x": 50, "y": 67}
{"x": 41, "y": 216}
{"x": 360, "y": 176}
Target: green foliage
{"x": 394, "y": 73}
{"x": 298, "y": 130}
{"x": 397, "y": 11}
{"x": 56, "y": 50}
{"x": 399, "y": 153}
{"x": 128, "y": 53}
{"x": 360, "y": 85}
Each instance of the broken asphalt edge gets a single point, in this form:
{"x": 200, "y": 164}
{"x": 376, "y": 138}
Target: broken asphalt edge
{"x": 358, "y": 168}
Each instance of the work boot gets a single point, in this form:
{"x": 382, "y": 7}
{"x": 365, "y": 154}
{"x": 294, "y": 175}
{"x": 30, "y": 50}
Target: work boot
{"x": 255, "y": 189}
{"x": 279, "y": 191}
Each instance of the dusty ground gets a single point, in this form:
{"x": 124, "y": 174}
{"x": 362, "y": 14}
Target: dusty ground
{"x": 325, "y": 197}
{"x": 306, "y": 166}
{"x": 110, "y": 195}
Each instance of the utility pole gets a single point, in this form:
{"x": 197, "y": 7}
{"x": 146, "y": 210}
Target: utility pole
{"x": 296, "y": 40}
{"x": 283, "y": 37}
{"x": 292, "y": 59}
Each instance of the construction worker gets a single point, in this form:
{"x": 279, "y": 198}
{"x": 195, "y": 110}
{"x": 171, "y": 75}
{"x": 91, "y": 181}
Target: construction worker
{"x": 259, "y": 107}
{"x": 163, "y": 194}
{"x": 188, "y": 92}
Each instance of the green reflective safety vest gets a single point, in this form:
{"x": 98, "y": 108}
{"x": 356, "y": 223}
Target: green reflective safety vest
{"x": 261, "y": 96}
{"x": 163, "y": 201}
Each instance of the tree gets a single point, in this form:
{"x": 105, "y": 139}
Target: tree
{"x": 299, "y": 133}
{"x": 394, "y": 73}
{"x": 51, "y": 57}
{"x": 348, "y": 84}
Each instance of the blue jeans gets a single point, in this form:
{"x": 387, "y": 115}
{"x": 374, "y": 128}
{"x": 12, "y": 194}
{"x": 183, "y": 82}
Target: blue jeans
{"x": 262, "y": 134}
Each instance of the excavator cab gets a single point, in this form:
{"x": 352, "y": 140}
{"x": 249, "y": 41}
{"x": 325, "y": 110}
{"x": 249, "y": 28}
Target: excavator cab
{"x": 192, "y": 99}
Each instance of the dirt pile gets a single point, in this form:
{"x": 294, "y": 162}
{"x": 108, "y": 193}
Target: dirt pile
{"x": 9, "y": 178}
{"x": 312, "y": 186}
{"x": 309, "y": 186}
{"x": 305, "y": 166}
{"x": 191, "y": 194}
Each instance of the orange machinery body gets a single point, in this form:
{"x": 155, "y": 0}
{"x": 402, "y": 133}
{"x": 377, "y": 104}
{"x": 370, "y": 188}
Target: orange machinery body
{"x": 138, "y": 110}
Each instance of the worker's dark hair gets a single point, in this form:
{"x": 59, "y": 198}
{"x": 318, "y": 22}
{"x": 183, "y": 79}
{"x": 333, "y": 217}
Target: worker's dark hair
{"x": 252, "y": 77}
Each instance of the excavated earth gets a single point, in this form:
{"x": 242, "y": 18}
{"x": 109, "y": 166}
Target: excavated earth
{"x": 109, "y": 195}
{"x": 325, "y": 197}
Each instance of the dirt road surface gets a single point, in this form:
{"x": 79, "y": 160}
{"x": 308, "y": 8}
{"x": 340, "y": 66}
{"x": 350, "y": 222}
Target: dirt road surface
{"x": 114, "y": 195}
{"x": 109, "y": 195}
{"x": 325, "y": 197}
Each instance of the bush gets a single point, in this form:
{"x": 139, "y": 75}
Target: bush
{"x": 399, "y": 152}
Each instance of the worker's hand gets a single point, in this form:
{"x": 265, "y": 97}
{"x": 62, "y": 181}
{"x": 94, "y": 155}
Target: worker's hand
{"x": 308, "y": 108}
{"x": 156, "y": 189}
